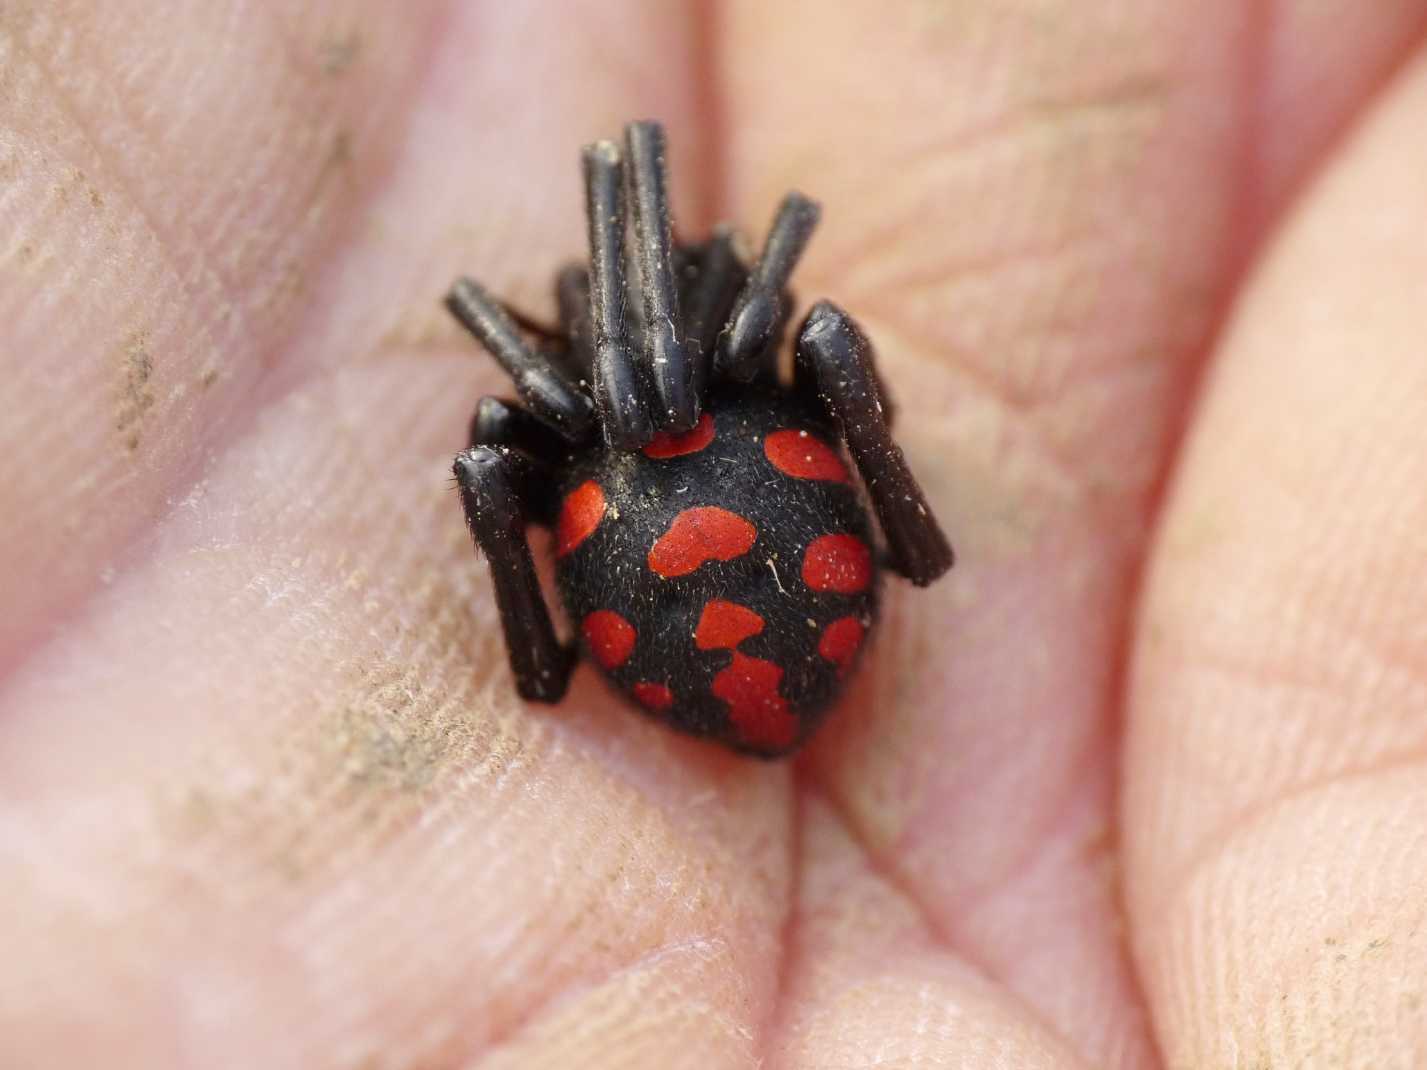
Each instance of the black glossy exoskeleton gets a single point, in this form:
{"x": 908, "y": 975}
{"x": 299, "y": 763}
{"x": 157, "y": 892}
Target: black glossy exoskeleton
{"x": 713, "y": 549}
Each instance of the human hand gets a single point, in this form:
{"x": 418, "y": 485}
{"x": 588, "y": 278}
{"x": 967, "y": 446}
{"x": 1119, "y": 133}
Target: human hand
{"x": 1139, "y": 777}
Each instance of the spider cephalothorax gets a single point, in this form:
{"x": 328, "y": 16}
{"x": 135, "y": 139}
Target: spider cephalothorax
{"x": 713, "y": 549}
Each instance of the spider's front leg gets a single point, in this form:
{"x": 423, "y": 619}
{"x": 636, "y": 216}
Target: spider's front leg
{"x": 747, "y": 348}
{"x": 498, "y": 422}
{"x": 548, "y": 392}
{"x": 709, "y": 292}
{"x": 835, "y": 363}
{"x": 676, "y": 372}
{"x": 496, "y": 483}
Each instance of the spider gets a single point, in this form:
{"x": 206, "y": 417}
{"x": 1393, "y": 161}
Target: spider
{"x": 711, "y": 545}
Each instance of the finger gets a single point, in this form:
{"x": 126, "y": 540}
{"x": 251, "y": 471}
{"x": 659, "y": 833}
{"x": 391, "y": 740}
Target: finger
{"x": 270, "y": 796}
{"x": 1275, "y": 793}
{"x": 169, "y": 255}
{"x": 161, "y": 250}
{"x": 1316, "y": 64}
{"x": 285, "y": 757}
{"x": 988, "y": 179}
{"x": 991, "y": 179}
{"x": 872, "y": 985}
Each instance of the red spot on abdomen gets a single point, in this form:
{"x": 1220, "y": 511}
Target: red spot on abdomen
{"x": 840, "y": 641}
{"x": 610, "y": 636}
{"x": 654, "y": 697}
{"x": 841, "y": 564}
{"x": 704, "y": 533}
{"x": 799, "y": 454}
{"x": 667, "y": 444}
{"x": 580, "y": 513}
{"x": 758, "y": 712}
{"x": 723, "y": 625}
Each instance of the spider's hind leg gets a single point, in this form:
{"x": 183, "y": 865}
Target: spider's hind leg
{"x": 834, "y": 362}
{"x": 496, "y": 482}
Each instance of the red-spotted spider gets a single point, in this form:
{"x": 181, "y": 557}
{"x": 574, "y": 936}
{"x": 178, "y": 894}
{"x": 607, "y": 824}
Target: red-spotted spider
{"x": 711, "y": 544}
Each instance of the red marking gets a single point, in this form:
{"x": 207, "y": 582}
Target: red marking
{"x": 799, "y": 454}
{"x": 723, "y": 625}
{"x": 610, "y": 636}
{"x": 697, "y": 535}
{"x": 580, "y": 513}
{"x": 750, "y": 687}
{"x": 840, "y": 641}
{"x": 668, "y": 444}
{"x": 841, "y": 564}
{"x": 654, "y": 697}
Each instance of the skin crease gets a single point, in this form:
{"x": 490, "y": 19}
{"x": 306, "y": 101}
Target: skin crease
{"x": 1139, "y": 785}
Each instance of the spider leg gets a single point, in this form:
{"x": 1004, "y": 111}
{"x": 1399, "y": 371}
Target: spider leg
{"x": 835, "y": 361}
{"x": 552, "y": 343}
{"x": 668, "y": 358}
{"x": 495, "y": 482}
{"x": 541, "y": 384}
{"x": 619, "y": 391}
{"x": 746, "y": 346}
{"x": 572, "y": 296}
{"x": 530, "y": 325}
{"x": 498, "y": 422}
{"x": 719, "y": 275}
{"x": 505, "y": 423}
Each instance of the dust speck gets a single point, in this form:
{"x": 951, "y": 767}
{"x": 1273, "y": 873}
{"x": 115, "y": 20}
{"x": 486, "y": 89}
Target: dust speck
{"x": 136, "y": 395}
{"x": 336, "y": 163}
{"x": 338, "y": 52}
{"x": 340, "y": 153}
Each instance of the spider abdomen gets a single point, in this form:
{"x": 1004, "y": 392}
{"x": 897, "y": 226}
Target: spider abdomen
{"x": 724, "y": 577}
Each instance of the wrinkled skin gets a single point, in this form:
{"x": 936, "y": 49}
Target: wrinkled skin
{"x": 1141, "y": 784}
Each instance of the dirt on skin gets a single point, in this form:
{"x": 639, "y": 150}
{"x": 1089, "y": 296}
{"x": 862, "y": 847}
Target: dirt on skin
{"x": 136, "y": 395}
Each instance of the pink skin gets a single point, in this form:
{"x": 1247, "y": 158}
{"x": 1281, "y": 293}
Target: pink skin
{"x": 1139, "y": 785}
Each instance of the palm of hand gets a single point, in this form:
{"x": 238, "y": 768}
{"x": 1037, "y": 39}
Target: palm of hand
{"x": 267, "y": 796}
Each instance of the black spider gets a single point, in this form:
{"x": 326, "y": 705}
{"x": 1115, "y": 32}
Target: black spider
{"x": 711, "y": 544}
